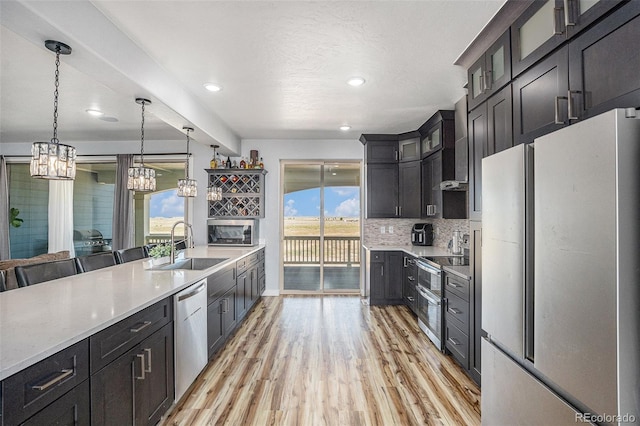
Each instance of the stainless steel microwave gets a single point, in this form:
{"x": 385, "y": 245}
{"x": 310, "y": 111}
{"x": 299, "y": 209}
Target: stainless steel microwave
{"x": 229, "y": 232}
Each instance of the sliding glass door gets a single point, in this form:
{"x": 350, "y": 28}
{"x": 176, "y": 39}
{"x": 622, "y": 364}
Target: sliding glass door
{"x": 321, "y": 227}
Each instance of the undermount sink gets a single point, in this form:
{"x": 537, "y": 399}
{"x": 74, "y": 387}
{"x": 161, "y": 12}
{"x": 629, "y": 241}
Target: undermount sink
{"x": 193, "y": 263}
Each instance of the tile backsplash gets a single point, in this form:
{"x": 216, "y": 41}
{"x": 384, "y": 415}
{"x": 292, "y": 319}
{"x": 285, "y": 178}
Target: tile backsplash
{"x": 401, "y": 231}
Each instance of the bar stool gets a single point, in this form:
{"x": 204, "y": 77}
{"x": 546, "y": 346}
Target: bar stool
{"x": 130, "y": 254}
{"x": 41, "y": 272}
{"x": 95, "y": 261}
{"x": 3, "y": 285}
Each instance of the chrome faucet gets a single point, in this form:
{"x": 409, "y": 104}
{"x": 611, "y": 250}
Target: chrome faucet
{"x": 188, "y": 238}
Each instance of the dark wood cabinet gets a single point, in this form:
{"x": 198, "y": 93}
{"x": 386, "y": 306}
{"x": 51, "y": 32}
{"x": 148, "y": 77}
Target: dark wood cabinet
{"x": 540, "y": 103}
{"x": 73, "y": 408}
{"x": 215, "y": 330}
{"x": 382, "y": 190}
{"x": 380, "y": 148}
{"x": 431, "y": 192}
{"x": 499, "y": 122}
{"x": 490, "y": 72}
{"x": 385, "y": 279}
{"x": 138, "y": 387}
{"x": 409, "y": 280}
{"x": 475, "y": 264}
{"x": 477, "y": 128}
{"x": 249, "y": 284}
{"x": 32, "y": 392}
{"x": 582, "y": 13}
{"x": 409, "y": 146}
{"x": 438, "y": 132}
{"x": 536, "y": 33}
{"x": 458, "y": 329}
{"x": 409, "y": 189}
{"x": 604, "y": 63}
{"x": 243, "y": 294}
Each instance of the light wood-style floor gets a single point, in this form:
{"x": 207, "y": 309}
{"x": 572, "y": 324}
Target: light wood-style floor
{"x": 332, "y": 360}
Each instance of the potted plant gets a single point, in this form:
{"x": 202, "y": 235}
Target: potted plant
{"x": 14, "y": 220}
{"x": 160, "y": 254}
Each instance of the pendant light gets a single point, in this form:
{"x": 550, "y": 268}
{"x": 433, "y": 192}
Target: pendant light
{"x": 54, "y": 160}
{"x": 187, "y": 187}
{"x": 142, "y": 178}
{"x": 214, "y": 193}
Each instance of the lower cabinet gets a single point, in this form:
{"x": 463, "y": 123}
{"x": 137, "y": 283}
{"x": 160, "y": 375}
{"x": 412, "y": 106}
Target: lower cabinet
{"x": 138, "y": 387}
{"x": 457, "y": 317}
{"x": 54, "y": 388}
{"x": 221, "y": 320}
{"x": 385, "y": 279}
{"x": 409, "y": 280}
{"x": 250, "y": 282}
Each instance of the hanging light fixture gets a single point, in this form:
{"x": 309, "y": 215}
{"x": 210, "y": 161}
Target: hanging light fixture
{"x": 214, "y": 193}
{"x": 142, "y": 178}
{"x": 54, "y": 160}
{"x": 187, "y": 187}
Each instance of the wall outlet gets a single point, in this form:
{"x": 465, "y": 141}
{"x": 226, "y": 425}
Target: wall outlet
{"x": 390, "y": 229}
{"x": 382, "y": 229}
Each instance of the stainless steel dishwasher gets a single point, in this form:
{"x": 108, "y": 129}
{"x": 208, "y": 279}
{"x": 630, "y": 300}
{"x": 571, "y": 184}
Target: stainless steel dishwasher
{"x": 190, "y": 327}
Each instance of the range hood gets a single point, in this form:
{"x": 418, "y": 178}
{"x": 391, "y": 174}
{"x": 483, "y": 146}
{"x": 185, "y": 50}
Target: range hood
{"x": 454, "y": 185}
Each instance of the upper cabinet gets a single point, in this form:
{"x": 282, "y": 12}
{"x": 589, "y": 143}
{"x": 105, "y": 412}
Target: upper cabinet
{"x": 384, "y": 148}
{"x": 545, "y": 25}
{"x": 539, "y": 30}
{"x": 490, "y": 72}
{"x": 409, "y": 146}
{"x": 604, "y": 63}
{"x": 438, "y": 132}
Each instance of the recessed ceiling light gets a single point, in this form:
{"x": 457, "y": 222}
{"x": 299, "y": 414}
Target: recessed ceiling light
{"x": 212, "y": 87}
{"x": 95, "y": 112}
{"x": 356, "y": 81}
{"x": 345, "y": 128}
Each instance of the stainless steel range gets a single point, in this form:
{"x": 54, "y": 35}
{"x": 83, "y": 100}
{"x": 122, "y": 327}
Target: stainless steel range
{"x": 429, "y": 293}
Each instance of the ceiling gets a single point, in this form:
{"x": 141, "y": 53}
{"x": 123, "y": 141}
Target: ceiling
{"x": 283, "y": 67}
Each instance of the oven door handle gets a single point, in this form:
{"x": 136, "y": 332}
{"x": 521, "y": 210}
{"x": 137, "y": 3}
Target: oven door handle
{"x": 427, "y": 296}
{"x": 428, "y": 268}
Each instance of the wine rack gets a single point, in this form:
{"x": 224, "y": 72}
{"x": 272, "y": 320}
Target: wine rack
{"x": 242, "y": 193}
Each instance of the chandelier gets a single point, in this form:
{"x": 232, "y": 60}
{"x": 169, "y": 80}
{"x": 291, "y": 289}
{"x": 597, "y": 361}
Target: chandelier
{"x": 54, "y": 160}
{"x": 142, "y": 178}
{"x": 187, "y": 187}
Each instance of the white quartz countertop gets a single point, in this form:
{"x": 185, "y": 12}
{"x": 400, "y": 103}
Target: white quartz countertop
{"x": 413, "y": 250}
{"x": 40, "y": 320}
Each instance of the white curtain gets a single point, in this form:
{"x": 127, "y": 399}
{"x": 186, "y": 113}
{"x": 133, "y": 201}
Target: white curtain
{"x": 61, "y": 216}
{"x": 4, "y": 210}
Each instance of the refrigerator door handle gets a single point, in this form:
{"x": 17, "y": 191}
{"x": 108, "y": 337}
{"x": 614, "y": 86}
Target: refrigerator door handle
{"x": 529, "y": 288}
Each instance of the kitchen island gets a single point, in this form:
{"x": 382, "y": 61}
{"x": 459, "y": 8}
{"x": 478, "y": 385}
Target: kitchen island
{"x": 40, "y": 320}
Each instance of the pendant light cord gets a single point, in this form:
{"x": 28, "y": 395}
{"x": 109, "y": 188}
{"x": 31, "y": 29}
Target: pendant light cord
{"x": 142, "y": 137}
{"x": 188, "y": 130}
{"x": 55, "y": 98}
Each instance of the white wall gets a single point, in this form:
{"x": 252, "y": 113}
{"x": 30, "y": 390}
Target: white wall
{"x": 272, "y": 151}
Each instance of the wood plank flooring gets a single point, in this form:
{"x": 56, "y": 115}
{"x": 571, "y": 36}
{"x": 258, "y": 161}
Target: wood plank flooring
{"x": 332, "y": 360}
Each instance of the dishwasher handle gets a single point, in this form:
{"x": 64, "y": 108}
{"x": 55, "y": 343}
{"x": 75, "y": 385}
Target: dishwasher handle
{"x": 192, "y": 292}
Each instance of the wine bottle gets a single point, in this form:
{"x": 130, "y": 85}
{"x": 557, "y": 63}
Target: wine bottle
{"x": 228, "y": 163}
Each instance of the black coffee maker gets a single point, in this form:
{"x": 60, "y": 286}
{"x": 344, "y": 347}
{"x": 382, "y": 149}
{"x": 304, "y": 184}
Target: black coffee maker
{"x": 422, "y": 234}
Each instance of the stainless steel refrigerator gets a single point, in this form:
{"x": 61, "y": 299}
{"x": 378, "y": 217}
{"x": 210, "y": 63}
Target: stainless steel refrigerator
{"x": 561, "y": 277}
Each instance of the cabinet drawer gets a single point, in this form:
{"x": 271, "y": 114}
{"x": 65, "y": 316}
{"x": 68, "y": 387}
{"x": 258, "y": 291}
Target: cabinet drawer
{"x": 261, "y": 269}
{"x": 71, "y": 409}
{"x": 261, "y": 255}
{"x": 457, "y": 286}
{"x": 32, "y": 389}
{"x": 112, "y": 342}
{"x": 458, "y": 343}
{"x": 220, "y": 282}
{"x": 246, "y": 262}
{"x": 458, "y": 312}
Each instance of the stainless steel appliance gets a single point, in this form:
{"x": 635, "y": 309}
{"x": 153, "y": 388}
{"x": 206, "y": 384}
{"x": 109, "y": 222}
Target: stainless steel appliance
{"x": 560, "y": 262}
{"x": 429, "y": 304}
{"x": 229, "y": 232}
{"x": 88, "y": 241}
{"x": 190, "y": 329}
{"x": 422, "y": 234}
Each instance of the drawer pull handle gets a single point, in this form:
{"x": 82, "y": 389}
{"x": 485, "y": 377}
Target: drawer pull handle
{"x": 142, "y": 327}
{"x": 454, "y": 341}
{"x": 455, "y": 311}
{"x": 63, "y": 375}
{"x": 142, "y": 370}
{"x": 411, "y": 278}
{"x": 454, "y": 285}
{"x": 410, "y": 299}
{"x": 148, "y": 351}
